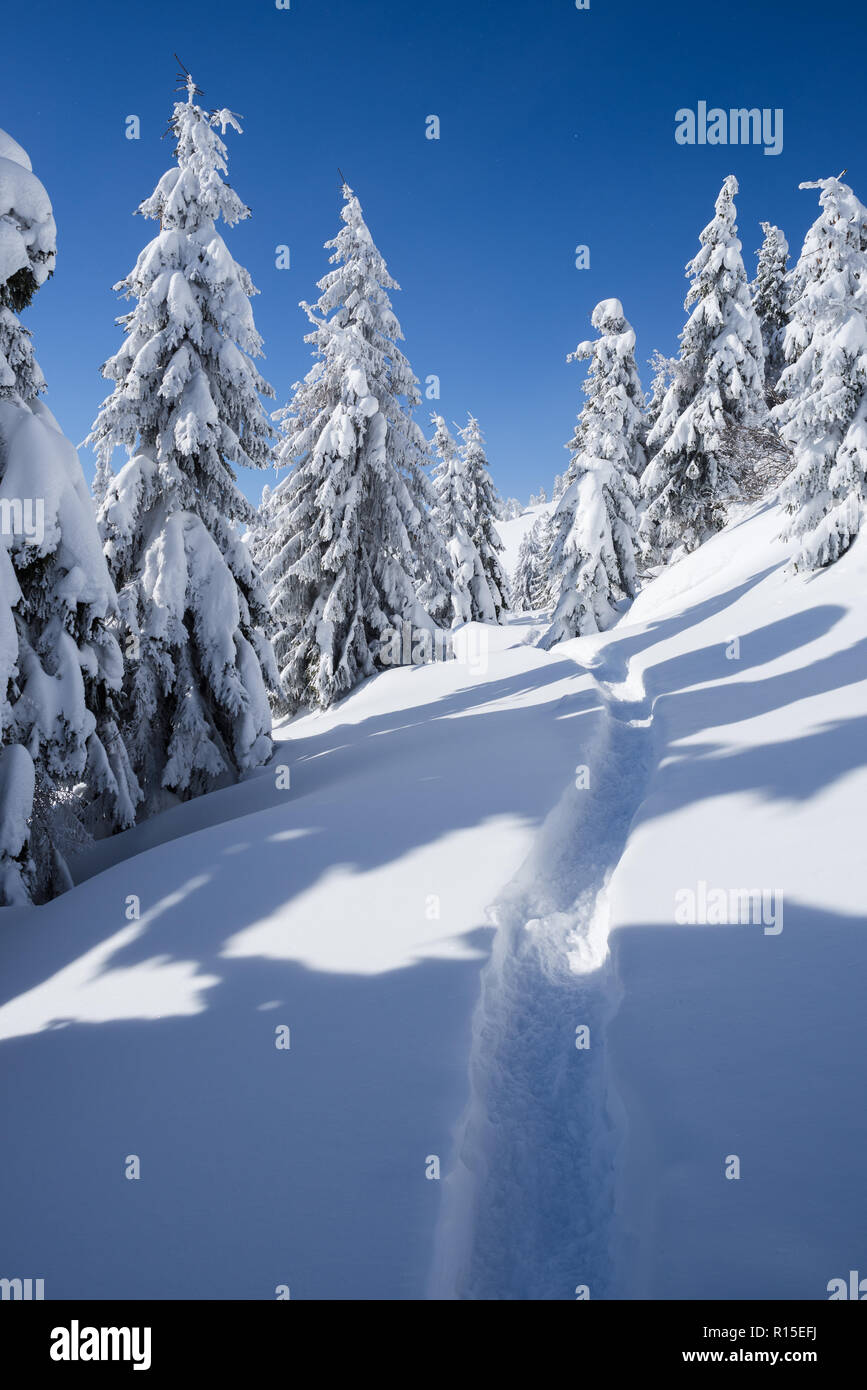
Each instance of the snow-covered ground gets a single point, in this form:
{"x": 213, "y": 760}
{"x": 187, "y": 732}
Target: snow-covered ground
{"x": 437, "y": 907}
{"x": 742, "y": 1040}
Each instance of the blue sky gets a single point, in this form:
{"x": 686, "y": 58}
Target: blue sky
{"x": 557, "y": 129}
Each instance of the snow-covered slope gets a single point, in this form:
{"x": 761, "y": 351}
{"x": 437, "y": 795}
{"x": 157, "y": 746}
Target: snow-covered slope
{"x": 511, "y": 533}
{"x": 725, "y": 745}
{"x": 350, "y": 908}
{"x": 742, "y": 1040}
{"x": 435, "y": 828}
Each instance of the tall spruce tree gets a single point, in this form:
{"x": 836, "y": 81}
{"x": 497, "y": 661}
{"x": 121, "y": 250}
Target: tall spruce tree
{"x": 664, "y": 370}
{"x": 482, "y": 503}
{"x": 471, "y": 595}
{"x": 356, "y": 553}
{"x": 770, "y": 299}
{"x": 186, "y": 408}
{"x": 260, "y": 537}
{"x": 64, "y": 770}
{"x": 823, "y": 415}
{"x": 528, "y": 580}
{"x": 719, "y": 383}
{"x": 509, "y": 509}
{"x": 592, "y": 552}
{"x": 546, "y": 591}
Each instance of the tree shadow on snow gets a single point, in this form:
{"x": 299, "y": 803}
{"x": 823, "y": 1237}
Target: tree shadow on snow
{"x": 307, "y": 1167}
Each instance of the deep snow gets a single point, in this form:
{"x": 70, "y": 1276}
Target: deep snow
{"x": 452, "y": 789}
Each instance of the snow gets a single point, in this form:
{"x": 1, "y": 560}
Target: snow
{"x": 27, "y": 230}
{"x": 606, "y": 309}
{"x": 433, "y": 907}
{"x": 728, "y": 1040}
{"x": 16, "y": 795}
{"x": 308, "y": 1150}
{"x": 61, "y": 653}
{"x": 10, "y": 149}
{"x": 511, "y": 533}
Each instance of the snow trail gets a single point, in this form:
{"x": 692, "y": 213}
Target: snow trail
{"x": 527, "y": 1207}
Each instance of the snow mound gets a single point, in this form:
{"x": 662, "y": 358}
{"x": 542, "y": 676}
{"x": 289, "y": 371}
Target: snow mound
{"x": 28, "y": 235}
{"x": 10, "y": 149}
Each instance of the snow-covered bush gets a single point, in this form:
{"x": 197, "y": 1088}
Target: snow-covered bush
{"x": 757, "y": 458}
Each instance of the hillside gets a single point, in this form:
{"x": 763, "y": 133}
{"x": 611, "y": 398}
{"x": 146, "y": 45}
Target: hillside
{"x": 433, "y": 908}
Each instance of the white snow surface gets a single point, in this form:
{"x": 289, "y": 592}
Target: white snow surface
{"x": 433, "y": 907}
{"x": 10, "y": 149}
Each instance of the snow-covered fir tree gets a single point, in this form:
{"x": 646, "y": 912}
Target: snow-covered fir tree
{"x": 592, "y": 552}
{"x": 770, "y": 297}
{"x": 528, "y": 580}
{"x": 823, "y": 414}
{"x": 664, "y": 370}
{"x": 103, "y": 477}
{"x": 260, "y": 536}
{"x": 538, "y": 499}
{"x": 356, "y": 552}
{"x": 186, "y": 408}
{"x": 454, "y": 523}
{"x": 510, "y": 509}
{"x": 719, "y": 382}
{"x": 64, "y": 770}
{"x": 482, "y": 501}
{"x": 471, "y": 596}
{"x": 28, "y": 251}
{"x": 546, "y": 590}
{"x": 560, "y": 486}
{"x": 613, "y": 418}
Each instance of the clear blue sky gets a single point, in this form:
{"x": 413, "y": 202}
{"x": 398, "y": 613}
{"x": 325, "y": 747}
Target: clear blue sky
{"x": 557, "y": 129}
